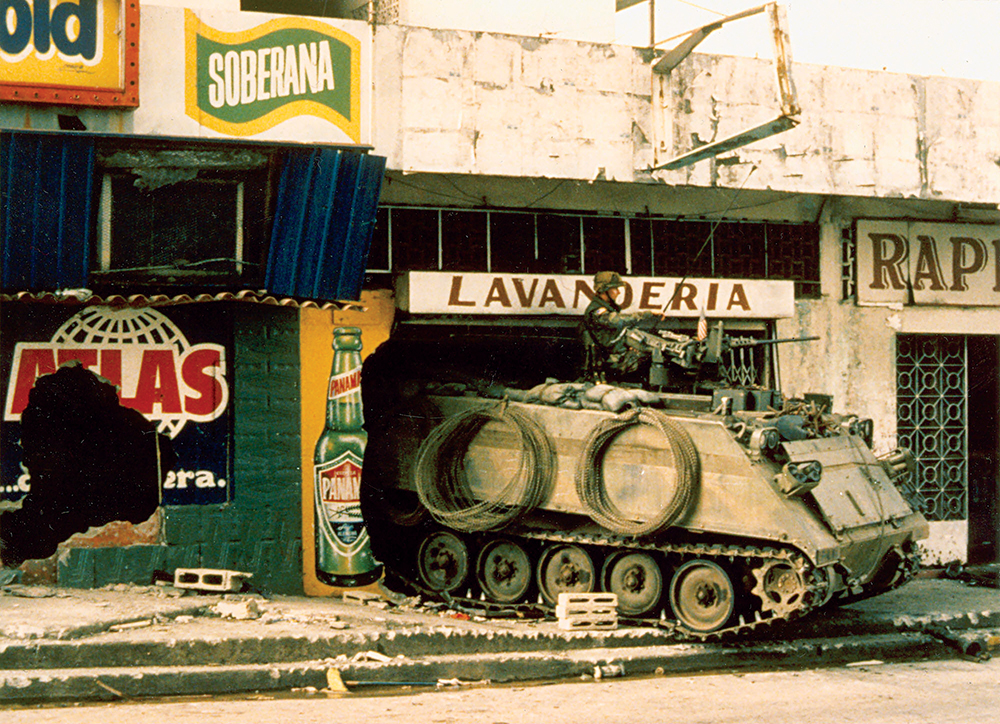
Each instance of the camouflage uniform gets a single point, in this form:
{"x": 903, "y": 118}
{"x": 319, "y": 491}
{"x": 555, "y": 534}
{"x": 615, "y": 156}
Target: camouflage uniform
{"x": 603, "y": 325}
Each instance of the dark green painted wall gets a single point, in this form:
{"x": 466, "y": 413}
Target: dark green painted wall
{"x": 260, "y": 530}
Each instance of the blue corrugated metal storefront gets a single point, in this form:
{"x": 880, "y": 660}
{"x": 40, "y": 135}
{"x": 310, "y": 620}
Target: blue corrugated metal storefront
{"x": 323, "y": 221}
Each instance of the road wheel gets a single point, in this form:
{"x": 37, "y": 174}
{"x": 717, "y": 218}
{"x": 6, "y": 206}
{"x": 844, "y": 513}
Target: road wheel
{"x": 565, "y": 569}
{"x": 636, "y": 579}
{"x": 443, "y": 561}
{"x": 503, "y": 571}
{"x": 702, "y": 596}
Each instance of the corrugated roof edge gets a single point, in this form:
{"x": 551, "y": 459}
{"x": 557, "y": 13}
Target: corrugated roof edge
{"x": 86, "y": 298}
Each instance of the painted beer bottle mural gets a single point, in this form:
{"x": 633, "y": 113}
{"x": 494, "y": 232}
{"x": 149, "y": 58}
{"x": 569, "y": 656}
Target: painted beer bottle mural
{"x": 343, "y": 552}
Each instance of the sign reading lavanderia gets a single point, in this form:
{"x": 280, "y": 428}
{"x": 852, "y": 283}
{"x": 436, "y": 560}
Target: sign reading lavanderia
{"x": 243, "y": 83}
{"x": 928, "y": 263}
{"x": 564, "y": 294}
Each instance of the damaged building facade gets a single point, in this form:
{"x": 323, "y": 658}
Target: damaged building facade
{"x": 516, "y": 166}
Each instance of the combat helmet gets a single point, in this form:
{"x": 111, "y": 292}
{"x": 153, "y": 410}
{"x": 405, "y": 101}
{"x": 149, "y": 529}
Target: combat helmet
{"x": 605, "y": 280}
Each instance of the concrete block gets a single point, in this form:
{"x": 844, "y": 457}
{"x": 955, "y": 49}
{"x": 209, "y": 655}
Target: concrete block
{"x": 209, "y": 579}
{"x": 587, "y": 611}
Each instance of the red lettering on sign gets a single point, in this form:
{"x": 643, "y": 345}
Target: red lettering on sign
{"x": 157, "y": 384}
{"x": 199, "y": 371}
{"x": 86, "y": 357}
{"x": 341, "y": 484}
{"x": 340, "y": 385}
{"x": 33, "y": 364}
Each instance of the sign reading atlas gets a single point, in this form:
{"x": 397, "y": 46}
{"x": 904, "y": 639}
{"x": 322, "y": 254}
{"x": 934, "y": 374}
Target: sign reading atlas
{"x": 69, "y": 51}
{"x": 243, "y": 83}
{"x": 146, "y": 356}
{"x": 901, "y": 262}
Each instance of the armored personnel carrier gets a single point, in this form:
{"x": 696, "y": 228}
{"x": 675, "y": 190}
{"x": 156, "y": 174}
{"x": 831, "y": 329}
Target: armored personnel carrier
{"x": 718, "y": 507}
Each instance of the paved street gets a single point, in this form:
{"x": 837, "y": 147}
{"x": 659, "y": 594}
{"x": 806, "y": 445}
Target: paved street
{"x": 941, "y": 691}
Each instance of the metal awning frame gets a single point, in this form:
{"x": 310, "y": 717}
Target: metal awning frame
{"x": 790, "y": 109}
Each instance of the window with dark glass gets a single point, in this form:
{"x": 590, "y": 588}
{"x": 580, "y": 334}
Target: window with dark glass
{"x": 558, "y": 244}
{"x": 512, "y": 242}
{"x": 415, "y": 239}
{"x": 604, "y": 244}
{"x": 463, "y": 241}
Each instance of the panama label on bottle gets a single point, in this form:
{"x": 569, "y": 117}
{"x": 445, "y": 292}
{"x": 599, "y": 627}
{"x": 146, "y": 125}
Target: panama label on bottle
{"x": 338, "y": 484}
{"x": 344, "y": 384}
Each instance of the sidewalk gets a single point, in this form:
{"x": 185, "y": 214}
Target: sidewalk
{"x": 131, "y": 641}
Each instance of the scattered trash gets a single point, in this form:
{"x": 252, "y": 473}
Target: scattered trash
{"x": 110, "y": 689}
{"x": 246, "y": 610}
{"x": 442, "y": 683}
{"x": 129, "y": 625}
{"x": 362, "y": 597}
{"x": 184, "y": 619}
{"x": 334, "y": 682}
{"x": 971, "y": 646}
{"x": 22, "y": 591}
{"x": 370, "y": 656}
{"x": 609, "y": 671}
{"x": 870, "y": 662}
{"x": 986, "y": 575}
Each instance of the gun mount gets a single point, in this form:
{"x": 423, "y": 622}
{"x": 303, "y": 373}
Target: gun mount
{"x": 679, "y": 360}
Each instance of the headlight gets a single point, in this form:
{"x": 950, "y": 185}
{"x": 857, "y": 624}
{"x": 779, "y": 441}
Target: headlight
{"x": 798, "y": 477}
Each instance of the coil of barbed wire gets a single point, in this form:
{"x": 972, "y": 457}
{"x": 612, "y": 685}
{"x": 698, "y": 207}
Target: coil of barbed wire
{"x": 590, "y": 484}
{"x": 442, "y": 483}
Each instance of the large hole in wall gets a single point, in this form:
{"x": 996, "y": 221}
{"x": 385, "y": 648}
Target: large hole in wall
{"x": 91, "y": 462}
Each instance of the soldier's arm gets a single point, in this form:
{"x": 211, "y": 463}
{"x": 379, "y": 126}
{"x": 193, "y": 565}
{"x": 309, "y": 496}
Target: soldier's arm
{"x": 621, "y": 320}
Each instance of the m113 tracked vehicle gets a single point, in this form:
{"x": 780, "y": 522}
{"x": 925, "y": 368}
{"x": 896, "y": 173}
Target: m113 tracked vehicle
{"x": 721, "y": 508}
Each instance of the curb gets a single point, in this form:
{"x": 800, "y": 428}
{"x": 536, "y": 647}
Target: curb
{"x": 116, "y": 683}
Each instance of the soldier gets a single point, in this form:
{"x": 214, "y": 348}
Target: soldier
{"x": 603, "y": 328}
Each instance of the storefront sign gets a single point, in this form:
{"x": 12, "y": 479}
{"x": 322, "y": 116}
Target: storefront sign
{"x": 906, "y": 262}
{"x": 538, "y": 294}
{"x": 167, "y": 368}
{"x": 70, "y": 52}
{"x": 243, "y": 83}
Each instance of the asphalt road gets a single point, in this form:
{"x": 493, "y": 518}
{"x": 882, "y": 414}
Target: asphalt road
{"x": 953, "y": 690}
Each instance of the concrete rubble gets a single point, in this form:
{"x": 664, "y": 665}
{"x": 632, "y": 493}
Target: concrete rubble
{"x": 128, "y": 641}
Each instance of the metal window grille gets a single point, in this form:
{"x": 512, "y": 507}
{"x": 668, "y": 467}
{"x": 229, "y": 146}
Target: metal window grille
{"x": 931, "y": 410}
{"x": 784, "y": 251}
{"x": 848, "y": 265}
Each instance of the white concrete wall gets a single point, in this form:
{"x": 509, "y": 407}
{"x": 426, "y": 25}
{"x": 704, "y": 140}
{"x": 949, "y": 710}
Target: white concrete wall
{"x": 489, "y": 104}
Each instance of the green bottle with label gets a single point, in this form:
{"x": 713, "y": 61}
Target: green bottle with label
{"x": 343, "y": 550}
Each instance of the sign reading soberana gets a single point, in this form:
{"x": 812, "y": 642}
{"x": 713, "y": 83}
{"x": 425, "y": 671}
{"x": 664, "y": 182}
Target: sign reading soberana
{"x": 910, "y": 262}
{"x": 246, "y": 82}
{"x": 534, "y": 294}
{"x": 70, "y": 52}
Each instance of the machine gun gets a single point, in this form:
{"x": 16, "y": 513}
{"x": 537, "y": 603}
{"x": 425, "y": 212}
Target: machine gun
{"x": 697, "y": 358}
